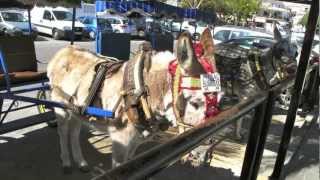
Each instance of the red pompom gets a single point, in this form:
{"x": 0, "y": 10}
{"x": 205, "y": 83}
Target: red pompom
{"x": 211, "y": 105}
{"x": 198, "y": 49}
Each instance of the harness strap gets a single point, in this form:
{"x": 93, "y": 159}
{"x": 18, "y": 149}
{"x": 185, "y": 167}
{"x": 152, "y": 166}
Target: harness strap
{"x": 100, "y": 76}
{"x": 135, "y": 100}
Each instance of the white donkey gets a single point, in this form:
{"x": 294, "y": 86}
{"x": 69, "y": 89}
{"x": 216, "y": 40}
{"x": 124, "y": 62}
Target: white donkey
{"x": 72, "y": 71}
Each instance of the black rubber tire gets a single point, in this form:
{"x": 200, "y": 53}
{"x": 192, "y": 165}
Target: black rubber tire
{"x": 141, "y": 33}
{"x": 92, "y": 35}
{"x": 55, "y": 34}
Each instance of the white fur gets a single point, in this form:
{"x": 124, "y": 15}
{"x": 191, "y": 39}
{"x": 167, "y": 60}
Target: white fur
{"x": 161, "y": 60}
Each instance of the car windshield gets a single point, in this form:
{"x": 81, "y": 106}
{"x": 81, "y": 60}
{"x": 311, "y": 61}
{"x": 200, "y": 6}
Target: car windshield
{"x": 245, "y": 42}
{"x": 250, "y": 42}
{"x": 63, "y": 15}
{"x": 201, "y": 24}
{"x": 125, "y": 21}
{"x": 13, "y": 17}
{"x": 103, "y": 22}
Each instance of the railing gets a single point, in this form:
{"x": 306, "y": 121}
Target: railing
{"x": 157, "y": 158}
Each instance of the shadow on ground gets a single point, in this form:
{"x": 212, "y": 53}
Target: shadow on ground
{"x": 36, "y": 157}
{"x": 187, "y": 172}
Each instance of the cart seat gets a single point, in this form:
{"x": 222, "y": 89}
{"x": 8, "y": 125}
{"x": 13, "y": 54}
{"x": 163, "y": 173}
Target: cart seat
{"x": 23, "y": 77}
{"x": 19, "y": 59}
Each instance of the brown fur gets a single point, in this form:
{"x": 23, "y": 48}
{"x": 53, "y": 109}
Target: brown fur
{"x": 158, "y": 86}
{"x": 207, "y": 43}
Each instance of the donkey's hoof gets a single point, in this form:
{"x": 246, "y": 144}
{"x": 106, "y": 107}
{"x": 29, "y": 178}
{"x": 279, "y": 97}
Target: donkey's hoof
{"x": 67, "y": 169}
{"x": 84, "y": 168}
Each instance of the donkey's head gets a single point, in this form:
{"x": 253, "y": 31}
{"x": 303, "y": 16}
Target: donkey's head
{"x": 188, "y": 97}
{"x": 283, "y": 49}
{"x": 284, "y": 55}
{"x": 187, "y": 60}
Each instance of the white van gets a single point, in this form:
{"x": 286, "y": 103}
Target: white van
{"x": 55, "y": 21}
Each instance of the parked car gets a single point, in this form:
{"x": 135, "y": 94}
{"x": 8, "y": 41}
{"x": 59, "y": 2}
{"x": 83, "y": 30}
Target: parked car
{"x": 225, "y": 33}
{"x": 91, "y": 25}
{"x": 193, "y": 26}
{"x": 119, "y": 24}
{"x": 172, "y": 26}
{"x": 249, "y": 42}
{"x": 13, "y": 23}
{"x": 298, "y": 39}
{"x": 56, "y": 22}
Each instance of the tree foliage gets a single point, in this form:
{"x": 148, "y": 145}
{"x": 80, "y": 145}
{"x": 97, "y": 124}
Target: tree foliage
{"x": 238, "y": 9}
{"x": 89, "y": 1}
{"x": 304, "y": 20}
{"x": 195, "y": 4}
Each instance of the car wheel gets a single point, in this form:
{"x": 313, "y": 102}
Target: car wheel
{"x": 92, "y": 35}
{"x": 6, "y": 33}
{"x": 117, "y": 31}
{"x": 55, "y": 34}
{"x": 141, "y": 33}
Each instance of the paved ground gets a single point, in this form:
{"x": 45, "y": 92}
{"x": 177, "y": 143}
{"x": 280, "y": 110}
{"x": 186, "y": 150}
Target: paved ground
{"x": 33, "y": 153}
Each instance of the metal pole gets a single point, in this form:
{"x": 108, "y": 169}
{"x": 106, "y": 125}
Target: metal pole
{"x": 252, "y": 145}
{"x": 263, "y": 135}
{"x": 29, "y": 21}
{"x": 303, "y": 64}
{"x": 98, "y": 37}
{"x": 73, "y": 22}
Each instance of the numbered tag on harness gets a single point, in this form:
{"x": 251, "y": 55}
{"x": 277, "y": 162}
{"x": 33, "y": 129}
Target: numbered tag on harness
{"x": 210, "y": 82}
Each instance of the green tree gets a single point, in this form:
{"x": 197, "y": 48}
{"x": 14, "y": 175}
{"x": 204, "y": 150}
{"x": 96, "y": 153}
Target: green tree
{"x": 89, "y": 1}
{"x": 195, "y": 4}
{"x": 304, "y": 20}
{"x": 238, "y": 10}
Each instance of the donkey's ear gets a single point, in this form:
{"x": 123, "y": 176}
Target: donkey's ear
{"x": 186, "y": 56}
{"x": 276, "y": 33}
{"x": 207, "y": 43}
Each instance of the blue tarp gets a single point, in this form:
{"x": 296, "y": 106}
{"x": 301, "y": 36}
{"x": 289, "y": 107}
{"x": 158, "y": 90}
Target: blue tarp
{"x": 155, "y": 7}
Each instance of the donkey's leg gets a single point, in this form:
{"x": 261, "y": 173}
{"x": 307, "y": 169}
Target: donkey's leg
{"x": 63, "y": 122}
{"x": 75, "y": 128}
{"x": 123, "y": 140}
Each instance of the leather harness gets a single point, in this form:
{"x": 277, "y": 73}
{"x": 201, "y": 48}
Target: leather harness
{"x": 134, "y": 93}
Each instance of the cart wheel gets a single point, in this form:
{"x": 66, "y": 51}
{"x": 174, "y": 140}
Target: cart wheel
{"x": 92, "y": 35}
{"x": 42, "y": 108}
